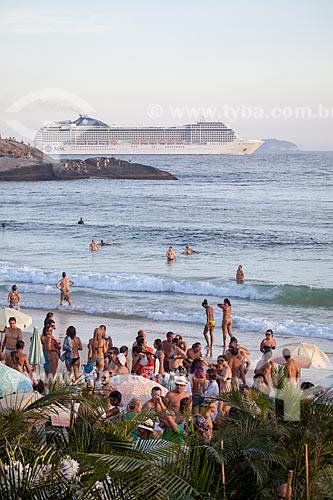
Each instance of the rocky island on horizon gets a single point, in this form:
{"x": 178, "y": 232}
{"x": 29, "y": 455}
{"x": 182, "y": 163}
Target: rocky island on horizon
{"x": 22, "y": 162}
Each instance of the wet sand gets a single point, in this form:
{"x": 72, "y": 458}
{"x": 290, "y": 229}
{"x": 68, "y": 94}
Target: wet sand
{"x": 123, "y": 332}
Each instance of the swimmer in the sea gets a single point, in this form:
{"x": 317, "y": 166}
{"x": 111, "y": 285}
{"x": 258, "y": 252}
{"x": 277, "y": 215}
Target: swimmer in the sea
{"x": 209, "y": 327}
{"x": 104, "y": 243}
{"x": 81, "y": 221}
{"x": 93, "y": 246}
{"x": 240, "y": 276}
{"x": 170, "y": 255}
{"x": 226, "y": 321}
{"x": 189, "y": 251}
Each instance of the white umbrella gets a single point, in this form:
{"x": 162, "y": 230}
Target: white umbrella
{"x": 135, "y": 386}
{"x": 306, "y": 355}
{"x": 326, "y": 382}
{"x": 22, "y": 320}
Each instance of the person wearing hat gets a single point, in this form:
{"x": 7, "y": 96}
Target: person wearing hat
{"x": 268, "y": 340}
{"x": 174, "y": 397}
{"x": 291, "y": 369}
{"x": 120, "y": 362}
{"x": 146, "y": 430}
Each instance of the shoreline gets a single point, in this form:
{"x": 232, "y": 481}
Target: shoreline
{"x": 124, "y": 331}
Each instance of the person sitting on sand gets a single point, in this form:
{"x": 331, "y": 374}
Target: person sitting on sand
{"x": 268, "y": 341}
{"x": 189, "y": 251}
{"x": 14, "y": 298}
{"x": 93, "y": 246}
{"x": 170, "y": 255}
{"x": 240, "y": 276}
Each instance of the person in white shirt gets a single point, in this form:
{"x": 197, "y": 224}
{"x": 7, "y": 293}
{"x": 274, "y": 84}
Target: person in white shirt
{"x": 212, "y": 390}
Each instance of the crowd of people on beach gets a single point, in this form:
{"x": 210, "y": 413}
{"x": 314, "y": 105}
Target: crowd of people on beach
{"x": 194, "y": 383}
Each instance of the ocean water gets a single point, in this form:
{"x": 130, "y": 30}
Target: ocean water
{"x": 272, "y": 213}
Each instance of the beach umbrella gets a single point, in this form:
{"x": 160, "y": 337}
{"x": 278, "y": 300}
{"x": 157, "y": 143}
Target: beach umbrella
{"x": 36, "y": 356}
{"x": 135, "y": 386}
{"x": 22, "y": 320}
{"x": 326, "y": 382}
{"x": 13, "y": 381}
{"x": 306, "y": 355}
{"x": 18, "y": 401}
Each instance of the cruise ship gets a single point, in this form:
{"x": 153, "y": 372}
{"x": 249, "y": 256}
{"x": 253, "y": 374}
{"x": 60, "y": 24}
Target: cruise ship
{"x": 87, "y": 136}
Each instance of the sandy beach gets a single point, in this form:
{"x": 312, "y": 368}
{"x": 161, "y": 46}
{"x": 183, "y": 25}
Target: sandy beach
{"x": 123, "y": 332}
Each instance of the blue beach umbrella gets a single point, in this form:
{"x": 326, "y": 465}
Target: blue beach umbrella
{"x": 12, "y": 381}
{"x": 36, "y": 356}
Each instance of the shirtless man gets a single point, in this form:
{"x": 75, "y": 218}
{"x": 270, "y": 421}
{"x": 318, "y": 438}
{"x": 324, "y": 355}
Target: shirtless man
{"x": 268, "y": 341}
{"x": 226, "y": 320}
{"x": 177, "y": 355}
{"x": 64, "y": 285}
{"x": 105, "y": 337}
{"x": 170, "y": 255}
{"x": 240, "y": 276}
{"x": 156, "y": 392}
{"x": 104, "y": 244}
{"x": 20, "y": 360}
{"x": 237, "y": 367}
{"x": 12, "y": 336}
{"x": 194, "y": 352}
{"x": 189, "y": 251}
{"x": 174, "y": 397}
{"x": 265, "y": 366}
{"x": 242, "y": 351}
{"x": 166, "y": 346}
{"x": 209, "y": 327}
{"x": 291, "y": 369}
{"x": 93, "y": 246}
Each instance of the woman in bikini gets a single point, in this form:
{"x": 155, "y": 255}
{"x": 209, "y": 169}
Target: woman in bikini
{"x": 226, "y": 321}
{"x": 97, "y": 348}
{"x": 14, "y": 298}
{"x": 72, "y": 346}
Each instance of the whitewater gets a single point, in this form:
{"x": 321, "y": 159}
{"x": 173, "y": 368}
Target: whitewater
{"x": 272, "y": 213}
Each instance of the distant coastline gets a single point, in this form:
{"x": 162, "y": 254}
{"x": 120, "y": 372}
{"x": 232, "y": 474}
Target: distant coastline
{"x": 277, "y": 145}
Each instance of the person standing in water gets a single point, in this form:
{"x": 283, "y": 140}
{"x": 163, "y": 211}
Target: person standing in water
{"x": 14, "y": 298}
{"x": 209, "y": 327}
{"x": 93, "y": 246}
{"x": 170, "y": 255}
{"x": 240, "y": 276}
{"x": 226, "y": 320}
{"x": 64, "y": 285}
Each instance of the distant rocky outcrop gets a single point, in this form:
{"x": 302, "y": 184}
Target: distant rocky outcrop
{"x": 276, "y": 145}
{"x": 22, "y": 162}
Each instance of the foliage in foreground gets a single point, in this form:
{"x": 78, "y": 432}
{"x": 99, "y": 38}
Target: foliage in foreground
{"x": 97, "y": 459}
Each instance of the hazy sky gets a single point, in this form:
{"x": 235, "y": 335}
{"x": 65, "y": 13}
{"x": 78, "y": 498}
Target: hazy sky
{"x": 258, "y": 65}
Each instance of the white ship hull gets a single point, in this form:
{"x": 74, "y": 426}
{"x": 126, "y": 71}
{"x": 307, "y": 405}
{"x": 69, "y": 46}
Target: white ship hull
{"x": 60, "y": 150}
